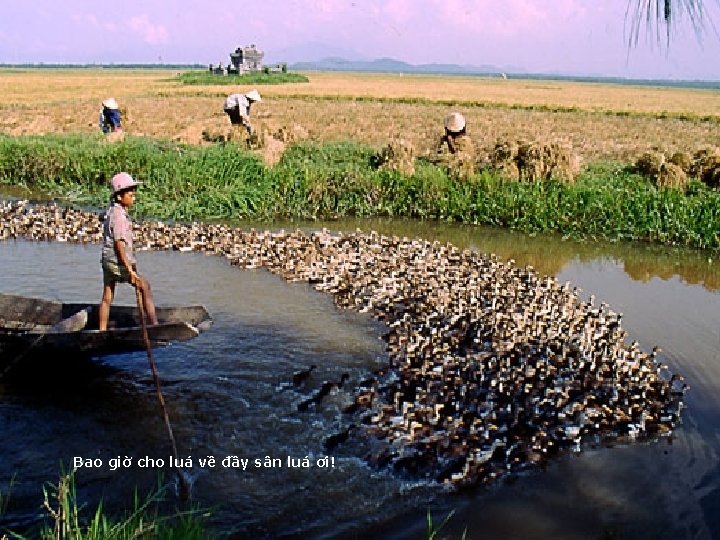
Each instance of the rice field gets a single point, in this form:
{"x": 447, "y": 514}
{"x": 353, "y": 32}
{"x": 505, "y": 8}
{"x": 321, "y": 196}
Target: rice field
{"x": 347, "y": 118}
{"x": 601, "y": 121}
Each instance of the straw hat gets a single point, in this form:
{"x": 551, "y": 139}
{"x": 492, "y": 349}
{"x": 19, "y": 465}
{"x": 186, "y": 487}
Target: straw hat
{"x": 454, "y": 122}
{"x": 253, "y": 95}
{"x": 110, "y": 103}
{"x": 121, "y": 182}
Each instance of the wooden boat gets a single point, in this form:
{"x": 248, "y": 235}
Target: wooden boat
{"x": 37, "y": 325}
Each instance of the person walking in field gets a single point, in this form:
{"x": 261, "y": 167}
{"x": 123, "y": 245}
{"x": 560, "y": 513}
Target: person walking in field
{"x": 118, "y": 258}
{"x": 110, "y": 119}
{"x": 456, "y": 149}
{"x": 237, "y": 107}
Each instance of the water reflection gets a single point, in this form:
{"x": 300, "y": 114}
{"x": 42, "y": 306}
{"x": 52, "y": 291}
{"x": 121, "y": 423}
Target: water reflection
{"x": 547, "y": 253}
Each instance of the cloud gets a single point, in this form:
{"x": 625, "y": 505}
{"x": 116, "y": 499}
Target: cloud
{"x": 499, "y": 19}
{"x": 508, "y": 19}
{"x": 88, "y": 19}
{"x": 398, "y": 9}
{"x": 574, "y": 8}
{"x": 329, "y": 9}
{"x": 154, "y": 34}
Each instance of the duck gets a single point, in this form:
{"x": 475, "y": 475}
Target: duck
{"x": 329, "y": 386}
{"x": 324, "y": 390}
{"x": 333, "y": 441}
{"x": 363, "y": 400}
{"x": 299, "y": 377}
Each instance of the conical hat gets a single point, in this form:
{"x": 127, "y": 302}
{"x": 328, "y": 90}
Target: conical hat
{"x": 454, "y": 122}
{"x": 110, "y": 103}
{"x": 253, "y": 95}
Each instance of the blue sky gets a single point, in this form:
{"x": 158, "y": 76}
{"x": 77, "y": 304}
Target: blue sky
{"x": 566, "y": 36}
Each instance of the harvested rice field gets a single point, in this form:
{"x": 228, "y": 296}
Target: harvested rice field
{"x": 600, "y": 121}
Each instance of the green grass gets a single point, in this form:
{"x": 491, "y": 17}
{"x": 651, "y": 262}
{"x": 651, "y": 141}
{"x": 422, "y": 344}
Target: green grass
{"x": 259, "y": 78}
{"x": 67, "y": 518}
{"x": 180, "y": 182}
{"x": 434, "y": 530}
{"x": 5, "y": 498}
{"x": 334, "y": 180}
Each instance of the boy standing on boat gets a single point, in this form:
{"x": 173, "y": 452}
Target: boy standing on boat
{"x": 118, "y": 259}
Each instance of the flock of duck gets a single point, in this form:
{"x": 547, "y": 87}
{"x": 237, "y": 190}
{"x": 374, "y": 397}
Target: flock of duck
{"x": 491, "y": 367}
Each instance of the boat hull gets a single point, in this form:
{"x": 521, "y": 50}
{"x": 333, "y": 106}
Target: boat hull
{"x": 39, "y": 326}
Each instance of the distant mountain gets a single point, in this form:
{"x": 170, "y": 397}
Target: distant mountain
{"x": 390, "y": 65}
{"x": 313, "y": 49}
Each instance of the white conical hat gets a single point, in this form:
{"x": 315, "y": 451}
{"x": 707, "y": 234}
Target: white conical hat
{"x": 253, "y": 95}
{"x": 110, "y": 103}
{"x": 454, "y": 122}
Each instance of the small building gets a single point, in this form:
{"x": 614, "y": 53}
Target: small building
{"x": 242, "y": 60}
{"x": 246, "y": 60}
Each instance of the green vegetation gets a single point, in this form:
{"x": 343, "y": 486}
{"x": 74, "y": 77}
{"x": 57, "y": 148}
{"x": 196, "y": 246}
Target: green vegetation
{"x": 332, "y": 180}
{"x": 205, "y": 77}
{"x": 180, "y": 182}
{"x": 433, "y": 531}
{"x": 69, "y": 519}
{"x": 5, "y": 499}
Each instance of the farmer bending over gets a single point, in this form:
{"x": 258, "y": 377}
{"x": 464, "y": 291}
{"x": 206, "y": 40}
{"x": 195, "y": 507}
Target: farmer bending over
{"x": 110, "y": 119}
{"x": 456, "y": 150}
{"x": 118, "y": 259}
{"x": 456, "y": 138}
{"x": 237, "y": 107}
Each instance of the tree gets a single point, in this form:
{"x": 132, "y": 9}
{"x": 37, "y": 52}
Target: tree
{"x": 663, "y": 14}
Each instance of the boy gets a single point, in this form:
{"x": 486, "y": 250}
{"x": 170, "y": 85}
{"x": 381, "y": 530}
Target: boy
{"x": 118, "y": 259}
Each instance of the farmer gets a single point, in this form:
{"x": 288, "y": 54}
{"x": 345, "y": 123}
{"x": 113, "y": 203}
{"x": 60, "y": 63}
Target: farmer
{"x": 456, "y": 139}
{"x": 237, "y": 107}
{"x": 456, "y": 149}
{"x": 118, "y": 259}
{"x": 110, "y": 117}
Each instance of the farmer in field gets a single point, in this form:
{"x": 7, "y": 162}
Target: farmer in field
{"x": 118, "y": 259}
{"x": 237, "y": 107}
{"x": 110, "y": 117}
{"x": 456, "y": 149}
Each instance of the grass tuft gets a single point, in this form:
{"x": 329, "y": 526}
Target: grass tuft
{"x": 433, "y": 531}
{"x": 70, "y": 519}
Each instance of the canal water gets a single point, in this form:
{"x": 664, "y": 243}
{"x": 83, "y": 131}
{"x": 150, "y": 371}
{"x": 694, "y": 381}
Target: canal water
{"x": 226, "y": 394}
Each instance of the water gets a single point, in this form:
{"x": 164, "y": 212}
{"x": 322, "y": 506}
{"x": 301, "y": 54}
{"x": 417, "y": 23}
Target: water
{"x": 223, "y": 399}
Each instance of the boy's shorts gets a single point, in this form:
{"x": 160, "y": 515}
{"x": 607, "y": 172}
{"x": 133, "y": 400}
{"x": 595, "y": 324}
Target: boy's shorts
{"x": 113, "y": 272}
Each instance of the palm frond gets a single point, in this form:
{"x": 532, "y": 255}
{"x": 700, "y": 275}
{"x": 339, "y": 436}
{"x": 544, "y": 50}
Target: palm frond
{"x": 660, "y": 16}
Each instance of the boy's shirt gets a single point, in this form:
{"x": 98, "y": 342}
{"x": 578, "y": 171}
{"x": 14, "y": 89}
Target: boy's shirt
{"x": 117, "y": 226}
